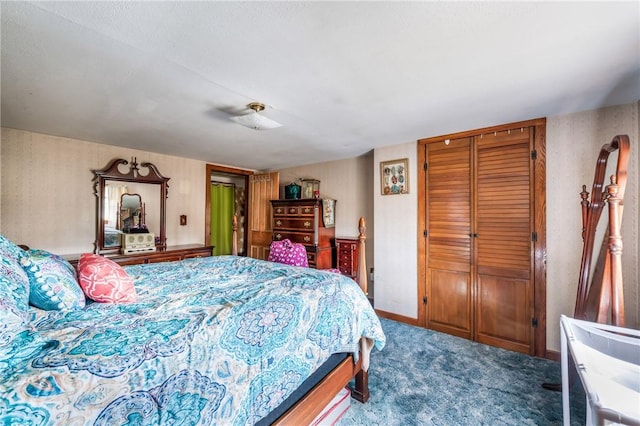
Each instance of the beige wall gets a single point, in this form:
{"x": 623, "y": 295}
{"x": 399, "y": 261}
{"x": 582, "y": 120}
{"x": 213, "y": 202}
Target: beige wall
{"x": 573, "y": 144}
{"x": 47, "y": 195}
{"x": 347, "y": 181}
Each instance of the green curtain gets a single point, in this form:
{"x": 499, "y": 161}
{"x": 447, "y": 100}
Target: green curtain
{"x": 222, "y": 209}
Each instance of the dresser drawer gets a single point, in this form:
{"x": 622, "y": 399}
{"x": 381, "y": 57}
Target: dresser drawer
{"x": 311, "y": 258}
{"x": 305, "y": 238}
{"x": 294, "y": 223}
{"x": 293, "y": 210}
{"x": 346, "y": 267}
{"x": 165, "y": 258}
{"x": 345, "y": 259}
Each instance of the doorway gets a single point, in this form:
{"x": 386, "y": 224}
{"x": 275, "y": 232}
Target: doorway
{"x": 226, "y": 195}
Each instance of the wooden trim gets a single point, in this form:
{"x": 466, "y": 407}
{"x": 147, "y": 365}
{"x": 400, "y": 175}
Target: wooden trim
{"x": 540, "y": 246}
{"x": 396, "y": 317}
{"x": 422, "y": 240}
{"x": 312, "y": 404}
{"x": 500, "y": 128}
{"x": 552, "y": 355}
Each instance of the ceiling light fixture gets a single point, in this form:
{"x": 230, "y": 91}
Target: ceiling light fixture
{"x": 254, "y": 120}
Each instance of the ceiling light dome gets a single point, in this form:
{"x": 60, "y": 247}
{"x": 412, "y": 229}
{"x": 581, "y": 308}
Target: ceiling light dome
{"x": 254, "y": 120}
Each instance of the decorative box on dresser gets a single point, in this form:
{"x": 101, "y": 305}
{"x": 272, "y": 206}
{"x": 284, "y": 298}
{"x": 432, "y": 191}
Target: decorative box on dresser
{"x": 170, "y": 254}
{"x": 348, "y": 251}
{"x": 301, "y": 222}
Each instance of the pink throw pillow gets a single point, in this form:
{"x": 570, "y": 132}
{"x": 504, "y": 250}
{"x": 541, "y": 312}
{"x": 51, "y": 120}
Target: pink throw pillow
{"x": 103, "y": 280}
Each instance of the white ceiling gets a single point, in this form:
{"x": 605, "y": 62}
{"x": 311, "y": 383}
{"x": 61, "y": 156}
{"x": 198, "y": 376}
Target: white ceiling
{"x": 342, "y": 77}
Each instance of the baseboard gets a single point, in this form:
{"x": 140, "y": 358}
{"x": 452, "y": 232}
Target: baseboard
{"x": 549, "y": 354}
{"x": 552, "y": 355}
{"x": 396, "y": 317}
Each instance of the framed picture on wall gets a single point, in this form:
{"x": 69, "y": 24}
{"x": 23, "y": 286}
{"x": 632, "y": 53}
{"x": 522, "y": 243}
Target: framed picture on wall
{"x": 394, "y": 177}
{"x": 328, "y": 212}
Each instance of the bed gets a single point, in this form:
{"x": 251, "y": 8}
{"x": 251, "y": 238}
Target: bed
{"x": 215, "y": 340}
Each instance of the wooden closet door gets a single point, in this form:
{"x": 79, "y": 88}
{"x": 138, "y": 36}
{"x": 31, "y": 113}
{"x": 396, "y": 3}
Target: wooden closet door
{"x": 262, "y": 189}
{"x": 503, "y": 240}
{"x": 449, "y": 270}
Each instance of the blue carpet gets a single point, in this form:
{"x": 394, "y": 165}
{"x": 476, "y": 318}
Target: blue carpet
{"x": 423, "y": 377}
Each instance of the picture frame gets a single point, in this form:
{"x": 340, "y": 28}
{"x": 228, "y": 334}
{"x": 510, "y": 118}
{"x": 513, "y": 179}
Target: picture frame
{"x": 328, "y": 212}
{"x": 394, "y": 177}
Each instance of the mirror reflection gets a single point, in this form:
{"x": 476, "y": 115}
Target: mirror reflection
{"x": 131, "y": 214}
{"x": 130, "y": 207}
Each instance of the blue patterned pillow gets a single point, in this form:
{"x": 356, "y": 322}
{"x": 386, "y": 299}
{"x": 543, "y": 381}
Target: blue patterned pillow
{"x": 14, "y": 300}
{"x": 53, "y": 283}
{"x": 9, "y": 250}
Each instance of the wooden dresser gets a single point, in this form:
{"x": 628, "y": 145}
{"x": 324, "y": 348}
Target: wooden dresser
{"x": 170, "y": 254}
{"x": 348, "y": 253}
{"x": 301, "y": 222}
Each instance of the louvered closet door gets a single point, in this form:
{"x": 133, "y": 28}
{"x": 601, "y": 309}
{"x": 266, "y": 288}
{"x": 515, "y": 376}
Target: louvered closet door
{"x": 449, "y": 289}
{"x": 503, "y": 246}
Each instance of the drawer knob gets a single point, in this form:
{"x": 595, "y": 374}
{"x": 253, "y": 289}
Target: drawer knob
{"x": 278, "y": 236}
{"x": 307, "y": 224}
{"x": 307, "y": 238}
{"x": 279, "y": 223}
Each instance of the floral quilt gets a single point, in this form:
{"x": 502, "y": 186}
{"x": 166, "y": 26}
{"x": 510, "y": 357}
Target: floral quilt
{"x": 218, "y": 340}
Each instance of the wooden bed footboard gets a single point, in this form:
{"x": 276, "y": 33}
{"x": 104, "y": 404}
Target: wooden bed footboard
{"x": 312, "y": 404}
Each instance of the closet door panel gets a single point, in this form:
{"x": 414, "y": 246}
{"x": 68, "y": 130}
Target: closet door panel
{"x": 448, "y": 286}
{"x": 454, "y": 316}
{"x": 502, "y": 321}
{"x": 503, "y": 245}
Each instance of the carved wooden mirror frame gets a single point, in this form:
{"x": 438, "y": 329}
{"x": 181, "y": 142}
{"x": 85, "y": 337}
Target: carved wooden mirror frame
{"x": 112, "y": 173}
{"x": 600, "y": 294}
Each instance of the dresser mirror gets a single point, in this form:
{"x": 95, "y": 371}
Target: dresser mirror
{"x": 131, "y": 198}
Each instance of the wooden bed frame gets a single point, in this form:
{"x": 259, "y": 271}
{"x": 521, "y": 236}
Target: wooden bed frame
{"x": 309, "y": 406}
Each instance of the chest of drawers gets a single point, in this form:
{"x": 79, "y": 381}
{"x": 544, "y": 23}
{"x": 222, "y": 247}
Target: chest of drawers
{"x": 301, "y": 222}
{"x": 348, "y": 252}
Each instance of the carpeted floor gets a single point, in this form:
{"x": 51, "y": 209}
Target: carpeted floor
{"x": 424, "y": 377}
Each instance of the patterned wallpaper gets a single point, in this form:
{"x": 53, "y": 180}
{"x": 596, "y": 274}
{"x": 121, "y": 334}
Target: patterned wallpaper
{"x": 48, "y": 201}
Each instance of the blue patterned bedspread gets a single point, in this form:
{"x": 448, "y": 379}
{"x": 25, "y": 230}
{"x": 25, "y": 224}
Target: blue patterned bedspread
{"x": 218, "y": 340}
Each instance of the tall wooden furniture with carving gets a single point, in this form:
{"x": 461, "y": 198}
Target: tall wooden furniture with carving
{"x": 301, "y": 222}
{"x": 600, "y": 295}
{"x": 480, "y": 232}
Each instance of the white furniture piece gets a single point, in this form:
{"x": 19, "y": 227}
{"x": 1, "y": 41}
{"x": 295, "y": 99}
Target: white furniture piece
{"x": 607, "y": 360}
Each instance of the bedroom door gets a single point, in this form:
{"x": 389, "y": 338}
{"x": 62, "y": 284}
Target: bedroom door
{"x": 482, "y": 217}
{"x": 262, "y": 189}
